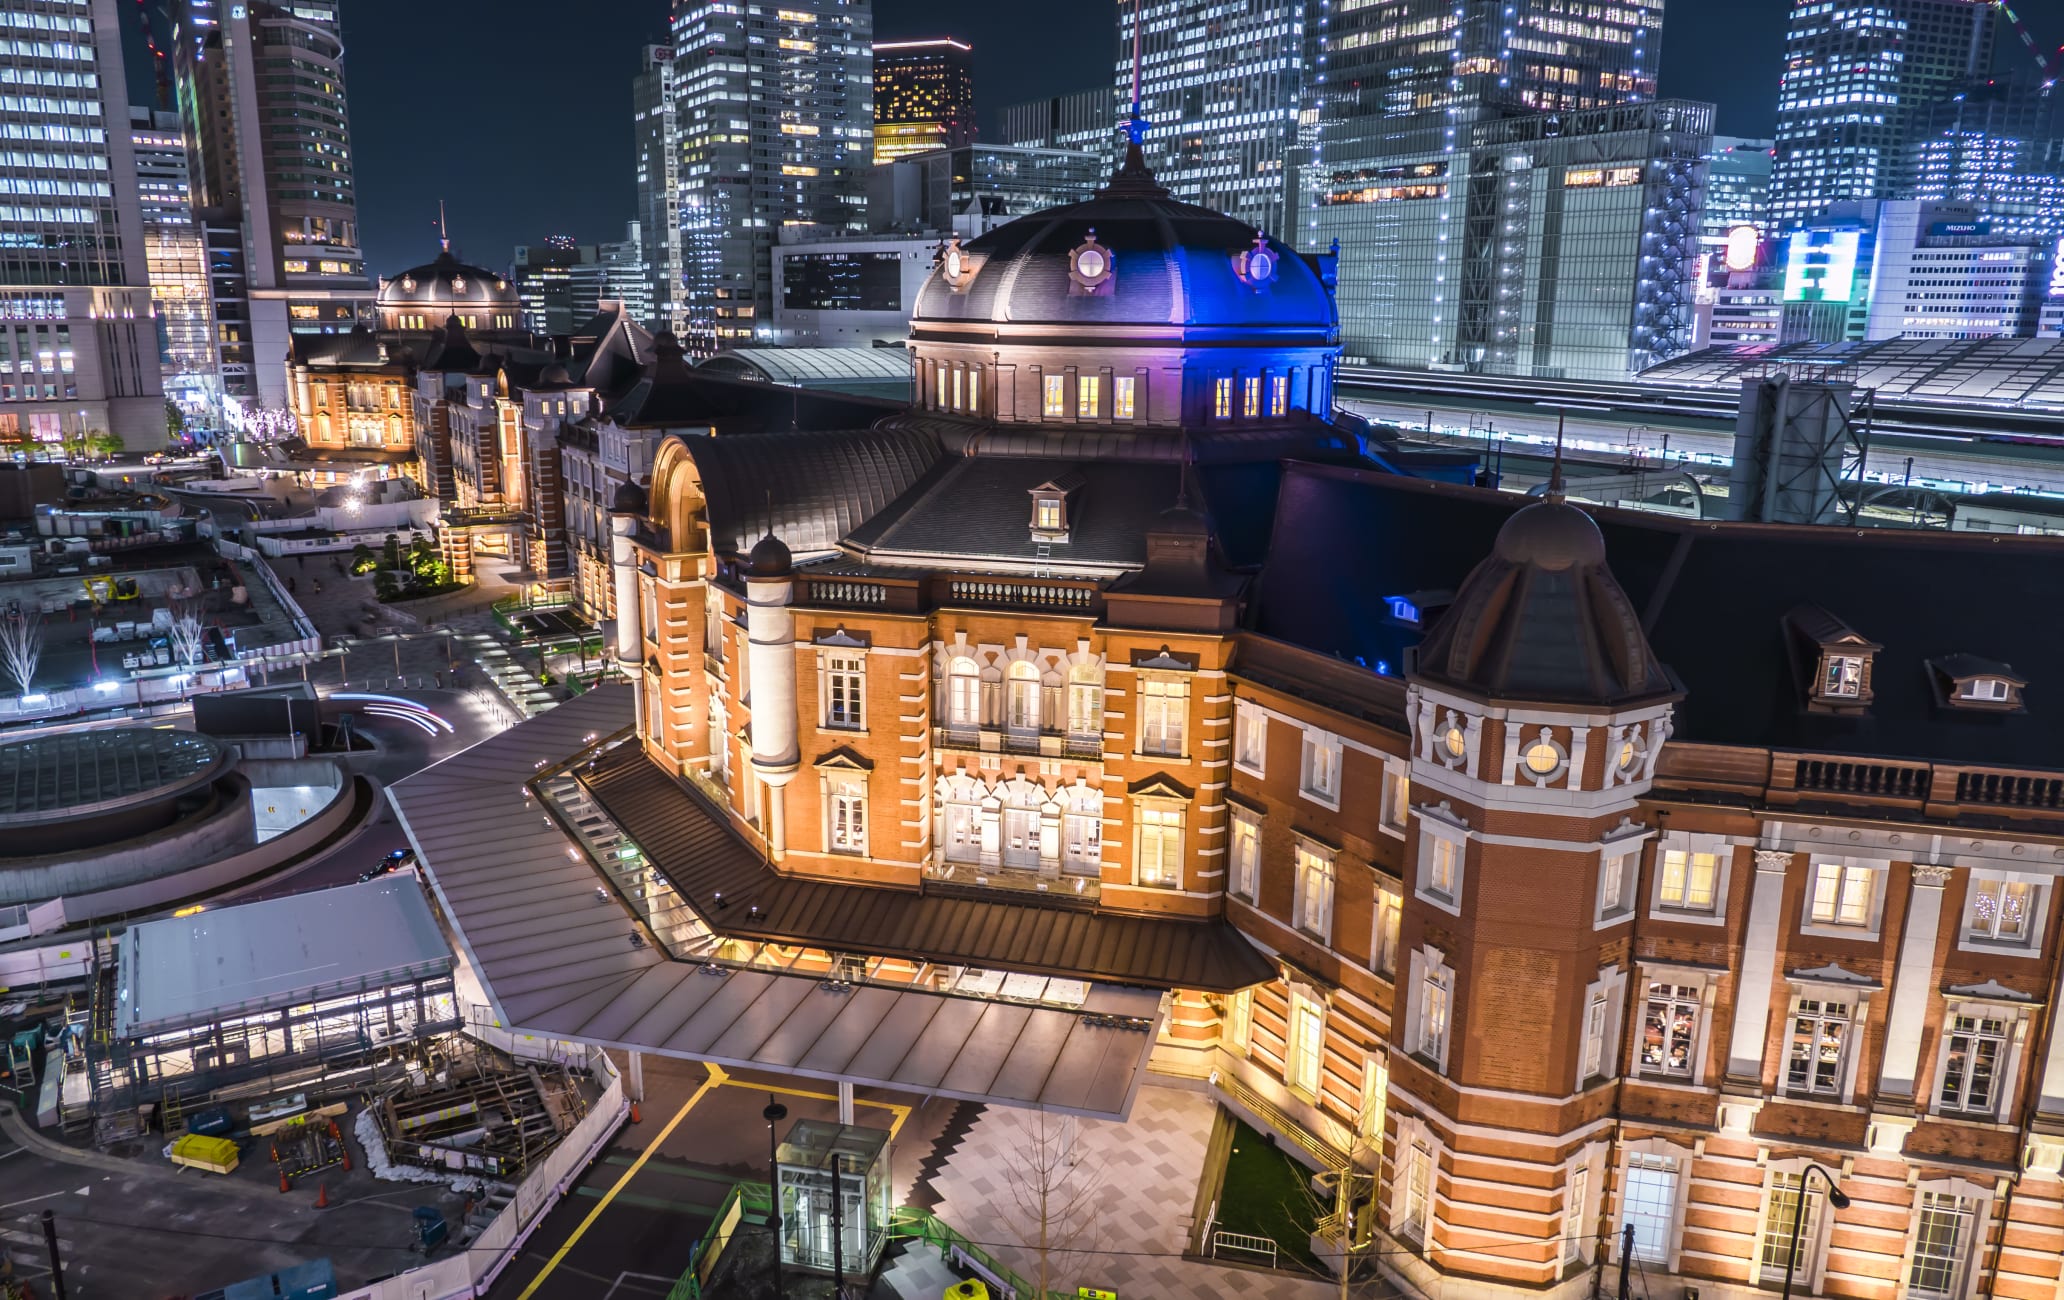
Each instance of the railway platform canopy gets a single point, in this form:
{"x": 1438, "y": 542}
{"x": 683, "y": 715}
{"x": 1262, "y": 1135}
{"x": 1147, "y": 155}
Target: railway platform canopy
{"x": 2008, "y": 372}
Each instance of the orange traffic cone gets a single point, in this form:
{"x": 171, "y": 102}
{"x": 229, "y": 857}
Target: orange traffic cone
{"x": 322, "y": 1197}
{"x": 636, "y": 1118}
{"x": 284, "y": 1185}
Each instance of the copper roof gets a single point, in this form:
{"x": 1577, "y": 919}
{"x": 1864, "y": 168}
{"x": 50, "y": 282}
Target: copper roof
{"x": 694, "y": 844}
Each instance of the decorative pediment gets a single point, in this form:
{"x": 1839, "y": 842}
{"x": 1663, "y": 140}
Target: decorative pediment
{"x": 844, "y": 759}
{"x": 1834, "y": 973}
{"x": 840, "y": 639}
{"x": 1164, "y": 659}
{"x": 1158, "y": 787}
{"x": 1991, "y": 991}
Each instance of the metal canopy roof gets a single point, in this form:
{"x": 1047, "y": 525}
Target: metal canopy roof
{"x": 814, "y": 367}
{"x": 557, "y": 962}
{"x": 281, "y": 952}
{"x": 2000, "y": 371}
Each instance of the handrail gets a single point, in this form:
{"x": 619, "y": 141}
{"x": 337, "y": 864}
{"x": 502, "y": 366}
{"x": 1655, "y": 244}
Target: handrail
{"x": 709, "y": 1251}
{"x": 1320, "y": 1150}
{"x": 922, "y": 1225}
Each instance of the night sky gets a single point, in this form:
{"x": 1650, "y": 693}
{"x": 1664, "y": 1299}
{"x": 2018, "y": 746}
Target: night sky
{"x": 518, "y": 114}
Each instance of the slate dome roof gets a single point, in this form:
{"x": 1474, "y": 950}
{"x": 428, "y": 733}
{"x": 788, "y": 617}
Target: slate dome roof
{"x": 447, "y": 283}
{"x": 1172, "y": 263}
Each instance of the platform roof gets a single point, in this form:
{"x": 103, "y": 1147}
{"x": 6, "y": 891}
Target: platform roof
{"x": 282, "y": 952}
{"x": 555, "y": 961}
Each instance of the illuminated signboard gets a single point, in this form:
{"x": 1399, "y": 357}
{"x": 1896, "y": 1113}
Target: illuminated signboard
{"x": 1820, "y": 265}
{"x": 1741, "y": 248}
{"x": 1939, "y": 228}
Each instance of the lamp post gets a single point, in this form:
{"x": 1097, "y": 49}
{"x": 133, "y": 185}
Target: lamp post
{"x": 1835, "y": 1198}
{"x": 774, "y": 1114}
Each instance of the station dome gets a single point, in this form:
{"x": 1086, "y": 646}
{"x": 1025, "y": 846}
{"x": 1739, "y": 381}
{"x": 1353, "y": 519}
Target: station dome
{"x": 425, "y": 297}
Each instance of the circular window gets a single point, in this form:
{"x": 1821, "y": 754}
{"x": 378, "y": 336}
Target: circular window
{"x": 1260, "y": 265}
{"x": 1630, "y": 753}
{"x": 1090, "y": 263}
{"x": 1542, "y": 757}
{"x": 458, "y": 284}
{"x": 408, "y": 284}
{"x": 955, "y": 264}
{"x": 1457, "y": 743}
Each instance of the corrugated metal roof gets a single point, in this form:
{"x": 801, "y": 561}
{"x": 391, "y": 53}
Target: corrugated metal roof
{"x": 556, "y": 961}
{"x": 813, "y": 367}
{"x": 281, "y": 952}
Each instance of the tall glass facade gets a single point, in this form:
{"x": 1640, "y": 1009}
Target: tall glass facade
{"x": 77, "y": 350}
{"x": 775, "y": 112}
{"x": 659, "y": 184}
{"x": 1997, "y": 144}
{"x": 924, "y": 97}
{"x": 178, "y": 267}
{"x": 1856, "y": 78}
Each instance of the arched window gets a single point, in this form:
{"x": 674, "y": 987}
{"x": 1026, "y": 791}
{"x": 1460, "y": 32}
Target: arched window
{"x": 963, "y": 694}
{"x": 1086, "y": 705}
{"x": 1082, "y": 829}
{"x": 1022, "y": 800}
{"x": 960, "y": 818}
{"x": 1022, "y": 699}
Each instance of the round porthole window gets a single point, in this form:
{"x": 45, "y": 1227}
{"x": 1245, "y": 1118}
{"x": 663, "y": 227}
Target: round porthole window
{"x": 1457, "y": 744}
{"x": 954, "y": 263}
{"x": 458, "y": 284}
{"x": 1090, "y": 263}
{"x": 1629, "y": 756}
{"x": 408, "y": 284}
{"x": 1090, "y": 266}
{"x": 1542, "y": 757}
{"x": 1260, "y": 264}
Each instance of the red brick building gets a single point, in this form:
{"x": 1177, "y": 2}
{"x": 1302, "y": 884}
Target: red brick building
{"x": 1561, "y": 872}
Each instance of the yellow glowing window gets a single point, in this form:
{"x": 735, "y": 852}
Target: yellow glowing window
{"x": 333, "y": 268}
{"x": 1121, "y": 398}
{"x": 956, "y": 390}
{"x": 798, "y": 128}
{"x": 790, "y": 169}
{"x": 1086, "y": 397}
{"x": 795, "y": 16}
{"x": 942, "y": 389}
{"x": 1222, "y": 398}
{"x": 301, "y": 311}
{"x": 294, "y": 265}
{"x": 808, "y": 47}
{"x": 974, "y": 390}
{"x": 1054, "y": 396}
{"x": 1250, "y": 404}
{"x": 1279, "y": 394}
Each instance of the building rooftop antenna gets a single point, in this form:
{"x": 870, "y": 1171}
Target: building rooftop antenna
{"x": 1136, "y": 125}
{"x": 443, "y": 235}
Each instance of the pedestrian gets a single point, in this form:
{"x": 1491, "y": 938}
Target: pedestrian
{"x": 318, "y": 585}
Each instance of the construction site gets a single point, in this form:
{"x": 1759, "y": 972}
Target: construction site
{"x": 204, "y": 1043}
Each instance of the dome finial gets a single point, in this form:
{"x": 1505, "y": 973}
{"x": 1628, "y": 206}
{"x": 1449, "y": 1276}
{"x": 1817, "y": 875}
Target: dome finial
{"x": 443, "y": 235}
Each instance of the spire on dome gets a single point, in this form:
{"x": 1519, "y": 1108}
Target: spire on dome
{"x": 443, "y": 235}
{"x": 1133, "y": 180}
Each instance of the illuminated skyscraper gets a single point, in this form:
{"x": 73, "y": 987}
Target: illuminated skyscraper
{"x": 775, "y": 109}
{"x": 1220, "y": 87}
{"x": 261, "y": 93}
{"x": 1997, "y": 144}
{"x": 659, "y": 184}
{"x": 1084, "y": 120}
{"x": 924, "y": 97}
{"x": 1857, "y": 78}
{"x": 77, "y": 352}
{"x": 178, "y": 266}
{"x": 1403, "y": 92}
{"x": 1737, "y": 188}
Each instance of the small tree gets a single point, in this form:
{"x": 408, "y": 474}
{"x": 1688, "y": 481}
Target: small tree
{"x": 1056, "y": 1191}
{"x": 187, "y": 634}
{"x": 175, "y": 421}
{"x": 105, "y": 443}
{"x": 21, "y": 647}
{"x": 363, "y": 560}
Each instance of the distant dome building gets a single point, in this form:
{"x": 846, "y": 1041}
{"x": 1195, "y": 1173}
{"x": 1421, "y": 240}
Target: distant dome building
{"x": 1190, "y": 317}
{"x": 423, "y": 298}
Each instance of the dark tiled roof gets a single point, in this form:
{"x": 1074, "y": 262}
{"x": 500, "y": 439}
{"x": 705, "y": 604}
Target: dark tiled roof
{"x": 699, "y": 852}
{"x": 1714, "y": 597}
{"x": 809, "y": 489}
{"x": 981, "y": 509}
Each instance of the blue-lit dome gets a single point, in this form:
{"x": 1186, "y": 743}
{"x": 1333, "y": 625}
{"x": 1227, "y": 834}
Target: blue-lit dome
{"x": 1131, "y": 256}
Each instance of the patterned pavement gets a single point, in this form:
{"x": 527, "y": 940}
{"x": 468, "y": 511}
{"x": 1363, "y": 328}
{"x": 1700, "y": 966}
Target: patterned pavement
{"x": 1137, "y": 1184}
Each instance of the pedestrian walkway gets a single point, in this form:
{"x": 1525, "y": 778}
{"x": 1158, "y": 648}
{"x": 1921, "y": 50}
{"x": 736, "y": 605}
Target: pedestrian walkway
{"x": 1139, "y": 1179}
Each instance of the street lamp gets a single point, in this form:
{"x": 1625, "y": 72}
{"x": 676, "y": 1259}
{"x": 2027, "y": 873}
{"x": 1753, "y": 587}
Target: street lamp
{"x": 774, "y": 1114}
{"x": 1835, "y": 1198}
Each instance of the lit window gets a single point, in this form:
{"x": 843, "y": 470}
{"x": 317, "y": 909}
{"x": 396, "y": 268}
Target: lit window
{"x": 942, "y": 388}
{"x": 1319, "y": 768}
{"x": 1383, "y": 942}
{"x": 1597, "y": 1016}
{"x": 1397, "y": 795}
{"x": 1279, "y": 395}
{"x": 1688, "y": 880}
{"x": 1417, "y": 1192}
{"x": 1250, "y": 405}
{"x": 1222, "y": 399}
{"x": 1783, "y": 1214}
{"x": 1669, "y": 1031}
{"x": 1121, "y": 397}
{"x": 1814, "y": 1058}
{"x": 1245, "y": 880}
{"x": 1082, "y": 830}
{"x": 1047, "y": 515}
{"x": 1616, "y": 876}
{"x": 1649, "y": 1202}
{"x": 974, "y": 393}
{"x": 1054, "y": 395}
{"x": 1976, "y": 1047}
{"x": 1086, "y": 704}
{"x": 1164, "y": 711}
{"x": 1307, "y": 1043}
{"x": 1455, "y": 740}
{"x": 1942, "y": 1239}
{"x": 1434, "y": 992}
{"x": 1375, "y": 1095}
{"x": 845, "y": 680}
{"x": 1984, "y": 688}
{"x": 1313, "y": 910}
{"x": 1443, "y": 865}
{"x": 1843, "y": 677}
{"x": 1575, "y": 1200}
{"x": 1542, "y": 757}
{"x": 2003, "y": 911}
{"x": 963, "y": 694}
{"x": 1841, "y": 894}
{"x": 1160, "y": 845}
{"x": 1086, "y": 396}
{"x": 848, "y": 812}
{"x": 956, "y": 390}
{"x": 1250, "y": 738}
{"x": 1021, "y": 698}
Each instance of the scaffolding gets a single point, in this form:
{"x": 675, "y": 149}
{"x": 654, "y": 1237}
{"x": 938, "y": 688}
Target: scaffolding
{"x": 479, "y": 1112}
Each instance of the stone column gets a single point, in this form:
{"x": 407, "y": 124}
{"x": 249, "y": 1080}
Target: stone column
{"x": 1746, "y": 1042}
{"x": 770, "y": 631}
{"x": 1906, "y": 1014}
{"x": 630, "y": 636}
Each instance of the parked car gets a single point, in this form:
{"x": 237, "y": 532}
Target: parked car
{"x": 394, "y": 861}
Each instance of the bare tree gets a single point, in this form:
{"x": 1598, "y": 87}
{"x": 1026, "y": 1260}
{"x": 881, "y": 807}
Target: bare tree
{"x": 186, "y": 632}
{"x": 1342, "y": 1203}
{"x": 1056, "y": 1189}
{"x": 21, "y": 646}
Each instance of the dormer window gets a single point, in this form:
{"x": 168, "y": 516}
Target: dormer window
{"x": 1050, "y": 506}
{"x": 1835, "y": 660}
{"x": 1980, "y": 685}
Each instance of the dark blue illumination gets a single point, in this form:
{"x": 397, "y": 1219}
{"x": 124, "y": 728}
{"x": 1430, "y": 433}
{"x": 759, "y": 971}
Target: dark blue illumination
{"x": 1403, "y": 610}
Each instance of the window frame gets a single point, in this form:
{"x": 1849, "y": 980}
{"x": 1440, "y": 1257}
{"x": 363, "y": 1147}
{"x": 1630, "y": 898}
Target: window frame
{"x": 835, "y": 666}
{"x": 1429, "y": 1027}
{"x": 1439, "y": 836}
{"x": 1848, "y": 869}
{"x": 963, "y": 688}
{"x": 1806, "y": 1260}
{"x": 1314, "y": 889}
{"x": 1972, "y": 1202}
{"x": 2030, "y": 943}
{"x": 1619, "y": 881}
{"x": 1394, "y": 818}
{"x": 1321, "y": 753}
{"x": 1053, "y": 396}
{"x": 2006, "y": 1068}
{"x": 1155, "y": 719}
{"x": 1813, "y": 1004}
{"x": 1691, "y": 845}
{"x": 1243, "y": 868}
{"x": 1683, "y": 989}
{"x": 1168, "y": 819}
{"x": 845, "y": 807}
{"x": 1676, "y": 1162}
{"x": 1222, "y": 399}
{"x": 1250, "y": 738}
{"x": 1385, "y": 926}
{"x": 1123, "y": 399}
{"x": 1298, "y": 1063}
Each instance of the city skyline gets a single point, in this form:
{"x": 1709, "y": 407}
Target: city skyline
{"x": 584, "y": 109}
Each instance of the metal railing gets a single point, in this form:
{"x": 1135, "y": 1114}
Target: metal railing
{"x": 1274, "y": 1116}
{"x": 1260, "y": 1247}
{"x": 911, "y": 1223}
